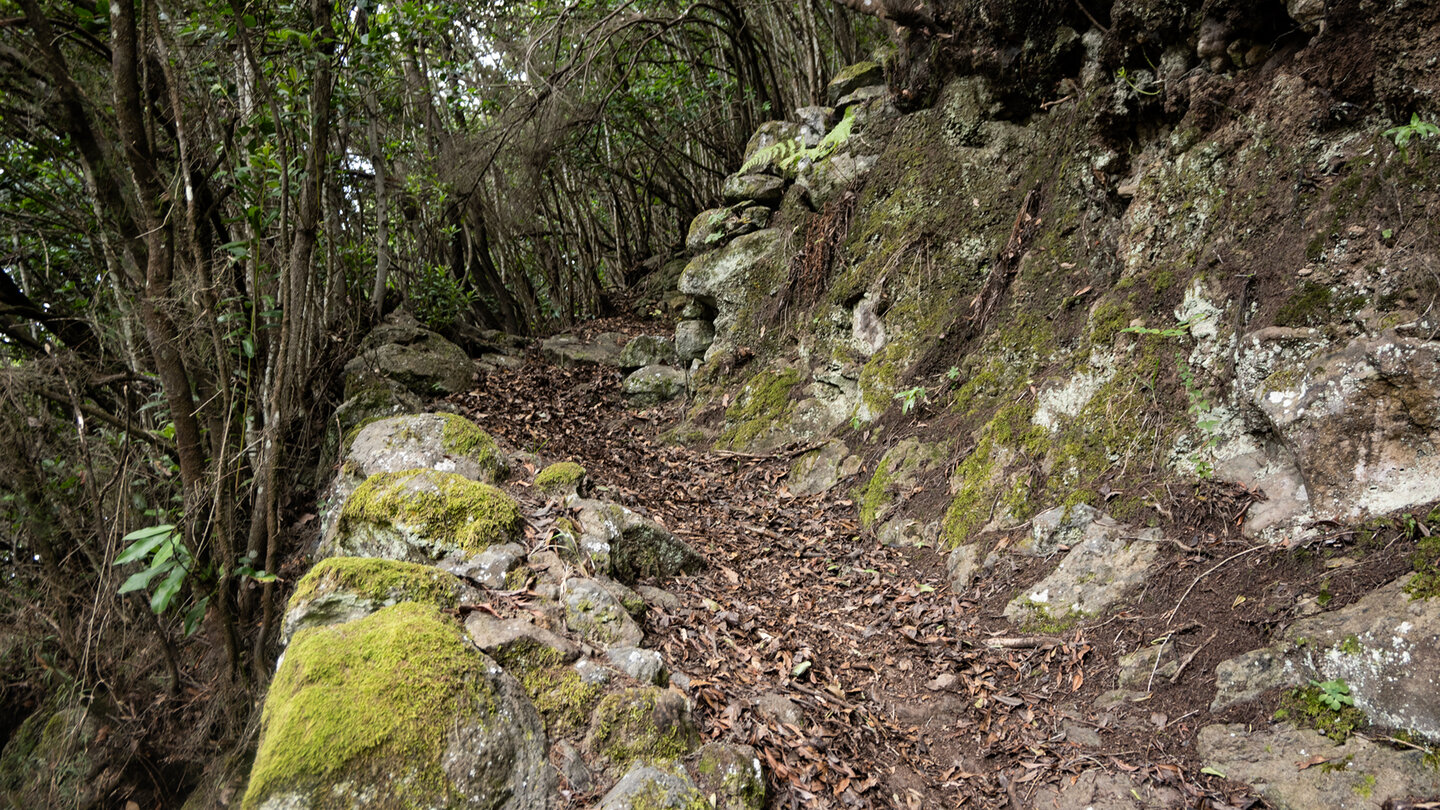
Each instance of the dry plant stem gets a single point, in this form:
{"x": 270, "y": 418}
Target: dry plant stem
{"x": 1170, "y": 617}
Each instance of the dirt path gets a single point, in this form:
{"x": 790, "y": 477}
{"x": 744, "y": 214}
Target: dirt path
{"x": 908, "y": 695}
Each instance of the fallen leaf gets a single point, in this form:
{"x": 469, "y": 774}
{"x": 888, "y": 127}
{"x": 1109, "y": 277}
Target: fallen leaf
{"x": 1310, "y": 762}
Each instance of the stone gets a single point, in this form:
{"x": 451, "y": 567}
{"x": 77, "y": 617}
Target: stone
{"x": 814, "y": 122}
{"x": 867, "y": 328}
{"x": 343, "y": 589}
{"x": 821, "y": 469}
{"x": 767, "y": 135}
{"x": 383, "y": 398}
{"x": 1362, "y": 775}
{"x": 648, "y": 350}
{"x": 716, "y": 227}
{"x": 490, "y": 567}
{"x": 403, "y": 351}
{"x": 1083, "y": 736}
{"x": 570, "y": 351}
{"x": 1309, "y": 14}
{"x": 905, "y": 532}
{"x": 400, "y": 708}
{"x": 896, "y": 475}
{"x": 658, "y": 597}
{"x": 862, "y": 95}
{"x": 629, "y": 547}
{"x": 964, "y": 563}
{"x": 725, "y": 279}
{"x": 645, "y": 666}
{"x": 765, "y": 189}
{"x": 1108, "y": 561}
{"x": 646, "y": 787}
{"x": 1363, "y": 424}
{"x": 438, "y": 441}
{"x": 1097, "y": 790}
{"x": 48, "y": 762}
{"x": 1060, "y": 527}
{"x": 852, "y": 78}
{"x": 643, "y": 723}
{"x": 505, "y": 638}
{"x": 693, "y": 338}
{"x": 572, "y": 767}
{"x": 423, "y": 516}
{"x": 824, "y": 180}
{"x": 780, "y": 709}
{"x": 729, "y": 776}
{"x": 1138, "y": 672}
{"x": 1385, "y": 646}
{"x": 596, "y": 616}
{"x": 653, "y": 385}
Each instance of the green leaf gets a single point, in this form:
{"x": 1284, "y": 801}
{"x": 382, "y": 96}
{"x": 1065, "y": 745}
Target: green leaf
{"x": 800, "y": 669}
{"x": 195, "y": 615}
{"x": 143, "y": 541}
{"x": 165, "y": 594}
{"x": 141, "y": 580}
{"x": 1208, "y": 771}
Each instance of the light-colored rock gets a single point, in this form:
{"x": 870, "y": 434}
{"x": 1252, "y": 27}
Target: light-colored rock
{"x": 403, "y": 351}
{"x": 1108, "y": 561}
{"x": 343, "y": 589}
{"x": 569, "y": 351}
{"x": 648, "y": 350}
{"x": 729, "y": 776}
{"x": 629, "y": 547}
{"x": 724, "y": 279}
{"x": 713, "y": 229}
{"x": 658, "y": 597}
{"x": 1309, "y": 14}
{"x": 814, "y": 122}
{"x": 1061, "y": 526}
{"x": 653, "y": 385}
{"x": 852, "y": 78}
{"x": 964, "y": 564}
{"x": 645, "y": 666}
{"x": 646, "y": 787}
{"x": 770, "y": 133}
{"x": 1363, "y": 424}
{"x": 1247, "y": 676}
{"x": 693, "y": 338}
{"x": 596, "y": 616}
{"x": 1097, "y": 790}
{"x": 765, "y": 189}
{"x": 399, "y": 709}
{"x": 821, "y": 469}
{"x": 490, "y": 567}
{"x": 780, "y": 709}
{"x": 502, "y": 638}
{"x": 1363, "y": 776}
{"x": 572, "y": 766}
{"x": 862, "y": 95}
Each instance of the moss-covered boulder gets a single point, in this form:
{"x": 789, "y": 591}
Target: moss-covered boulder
{"x": 440, "y": 441}
{"x": 572, "y": 351}
{"x": 628, "y": 547}
{"x": 397, "y": 709}
{"x": 342, "y": 589}
{"x": 714, "y": 228}
{"x": 897, "y": 474}
{"x": 543, "y": 665}
{"x": 765, "y": 189}
{"x": 423, "y": 516}
{"x": 692, "y": 338}
{"x": 561, "y": 479}
{"x": 48, "y": 763}
{"x": 644, "y": 723}
{"x": 383, "y": 399}
{"x": 725, "y": 280}
{"x": 403, "y": 351}
{"x": 730, "y": 773}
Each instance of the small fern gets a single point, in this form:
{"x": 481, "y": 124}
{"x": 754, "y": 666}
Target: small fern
{"x": 779, "y": 153}
{"x": 788, "y": 155}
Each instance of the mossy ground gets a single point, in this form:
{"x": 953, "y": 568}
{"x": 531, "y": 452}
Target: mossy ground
{"x": 1304, "y": 707}
{"x": 321, "y": 725}
{"x": 379, "y": 579}
{"x": 464, "y": 438}
{"x": 441, "y": 506}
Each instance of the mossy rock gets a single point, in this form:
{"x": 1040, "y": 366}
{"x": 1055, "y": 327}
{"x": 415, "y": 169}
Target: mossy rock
{"x": 443, "y": 441}
{"x": 396, "y": 709}
{"x": 47, "y": 761}
{"x": 563, "y": 698}
{"x": 342, "y": 589}
{"x": 730, "y": 773}
{"x": 644, "y": 723}
{"x": 424, "y": 515}
{"x": 402, "y": 351}
{"x": 896, "y": 473}
{"x": 761, "y": 411}
{"x": 561, "y": 478}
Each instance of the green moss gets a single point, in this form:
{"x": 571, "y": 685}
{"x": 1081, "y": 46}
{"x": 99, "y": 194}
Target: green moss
{"x": 1350, "y": 645}
{"x": 1366, "y": 787}
{"x": 765, "y": 403}
{"x": 1303, "y": 707}
{"x": 1425, "y": 583}
{"x": 441, "y": 506}
{"x": 320, "y": 725}
{"x": 1316, "y": 305}
{"x": 462, "y": 437}
{"x": 876, "y": 494}
{"x": 563, "y": 476}
{"x": 1107, "y": 321}
{"x": 626, "y": 728}
{"x": 1040, "y": 621}
{"x": 379, "y": 579}
{"x": 561, "y": 696}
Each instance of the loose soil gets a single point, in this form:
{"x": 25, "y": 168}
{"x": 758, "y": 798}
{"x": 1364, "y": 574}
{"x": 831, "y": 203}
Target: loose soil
{"x": 913, "y": 694}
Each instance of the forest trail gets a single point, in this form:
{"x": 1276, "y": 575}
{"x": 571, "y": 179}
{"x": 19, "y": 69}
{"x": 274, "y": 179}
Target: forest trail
{"x": 862, "y": 679}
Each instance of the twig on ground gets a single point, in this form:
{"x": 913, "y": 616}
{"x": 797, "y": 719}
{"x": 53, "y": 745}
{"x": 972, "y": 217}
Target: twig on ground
{"x": 1191, "y": 657}
{"x": 1170, "y": 617}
